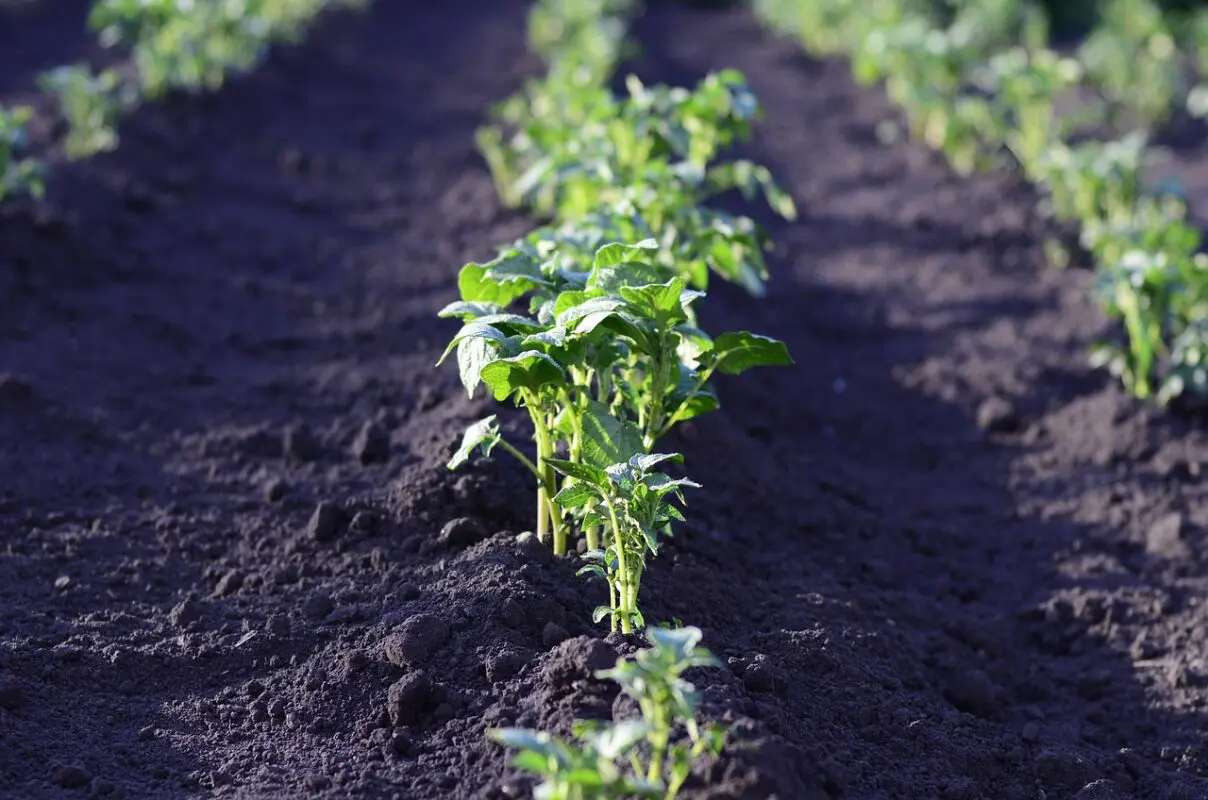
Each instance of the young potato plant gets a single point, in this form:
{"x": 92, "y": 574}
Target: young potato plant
{"x": 581, "y": 38}
{"x": 649, "y": 756}
{"x": 92, "y": 103}
{"x": 646, "y": 163}
{"x": 1025, "y": 86}
{"x": 605, "y": 362}
{"x": 19, "y": 174}
{"x": 1133, "y": 63}
{"x": 633, "y": 504}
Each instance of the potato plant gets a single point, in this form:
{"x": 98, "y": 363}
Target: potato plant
{"x": 172, "y": 45}
{"x": 19, "y": 174}
{"x": 646, "y": 161}
{"x": 977, "y": 81}
{"x": 632, "y": 503}
{"x": 646, "y": 756}
{"x": 605, "y": 362}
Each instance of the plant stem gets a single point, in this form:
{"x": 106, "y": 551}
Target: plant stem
{"x": 521, "y": 457}
{"x": 548, "y": 487}
{"x": 674, "y": 418}
{"x": 622, "y": 570}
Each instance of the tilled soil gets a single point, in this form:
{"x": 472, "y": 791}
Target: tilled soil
{"x": 940, "y": 557}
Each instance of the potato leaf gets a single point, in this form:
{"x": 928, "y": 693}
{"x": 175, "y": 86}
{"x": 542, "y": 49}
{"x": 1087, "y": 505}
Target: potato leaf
{"x": 501, "y": 281}
{"x": 736, "y": 352}
{"x": 482, "y": 435}
{"x": 590, "y": 475}
{"x": 529, "y": 370}
{"x": 610, "y": 255}
{"x": 606, "y": 439}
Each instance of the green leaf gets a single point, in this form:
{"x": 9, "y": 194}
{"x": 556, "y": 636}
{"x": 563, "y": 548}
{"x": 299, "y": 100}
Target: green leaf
{"x": 532, "y": 761}
{"x": 523, "y": 739}
{"x": 739, "y": 351}
{"x": 472, "y": 355}
{"x": 600, "y": 613}
{"x": 664, "y": 484}
{"x": 657, "y": 300}
{"x": 469, "y": 311}
{"x": 589, "y": 314}
{"x": 616, "y": 253}
{"x": 575, "y": 495}
{"x": 645, "y": 461}
{"x": 551, "y": 337}
{"x": 528, "y": 370}
{"x": 587, "y": 778}
{"x": 484, "y": 434}
{"x": 513, "y": 322}
{"x": 681, "y": 641}
{"x": 570, "y": 299}
{"x": 606, "y": 439}
{"x": 474, "y": 330}
{"x": 592, "y": 569}
{"x": 615, "y": 741}
{"x": 611, "y": 279}
{"x": 587, "y": 473}
{"x": 500, "y": 281}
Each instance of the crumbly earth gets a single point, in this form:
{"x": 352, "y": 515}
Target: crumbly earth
{"x": 940, "y": 558}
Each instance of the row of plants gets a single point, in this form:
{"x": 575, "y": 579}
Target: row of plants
{"x": 590, "y": 325}
{"x": 978, "y": 81}
{"x": 165, "y": 46}
{"x": 169, "y": 45}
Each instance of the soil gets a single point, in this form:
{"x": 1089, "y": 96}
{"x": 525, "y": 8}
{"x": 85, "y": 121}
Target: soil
{"x": 940, "y": 557}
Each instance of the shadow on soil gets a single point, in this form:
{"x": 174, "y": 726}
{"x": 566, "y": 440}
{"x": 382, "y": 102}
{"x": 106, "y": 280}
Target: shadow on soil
{"x": 904, "y": 587}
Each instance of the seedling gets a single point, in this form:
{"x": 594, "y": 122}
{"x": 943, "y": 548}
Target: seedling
{"x": 650, "y": 756}
{"x": 92, "y": 104}
{"x": 633, "y": 504}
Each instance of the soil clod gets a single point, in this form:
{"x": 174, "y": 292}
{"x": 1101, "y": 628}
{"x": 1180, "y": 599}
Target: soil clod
{"x": 327, "y": 522}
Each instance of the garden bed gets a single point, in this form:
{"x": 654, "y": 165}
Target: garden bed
{"x": 939, "y": 556}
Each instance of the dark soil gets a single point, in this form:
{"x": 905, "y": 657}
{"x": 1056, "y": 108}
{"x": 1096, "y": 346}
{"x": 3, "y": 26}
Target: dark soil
{"x": 940, "y": 557}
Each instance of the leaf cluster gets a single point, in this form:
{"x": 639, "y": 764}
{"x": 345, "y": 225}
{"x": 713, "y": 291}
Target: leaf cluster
{"x": 648, "y": 756}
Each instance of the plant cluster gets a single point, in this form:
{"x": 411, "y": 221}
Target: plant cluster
{"x": 589, "y": 323}
{"x": 647, "y": 756}
{"x": 978, "y": 82}
{"x": 19, "y": 174}
{"x": 172, "y": 45}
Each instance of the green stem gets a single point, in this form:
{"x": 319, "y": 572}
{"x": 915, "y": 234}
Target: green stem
{"x": 622, "y": 570}
{"x": 612, "y": 603}
{"x": 548, "y": 487}
{"x": 521, "y": 457}
{"x": 683, "y": 406}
